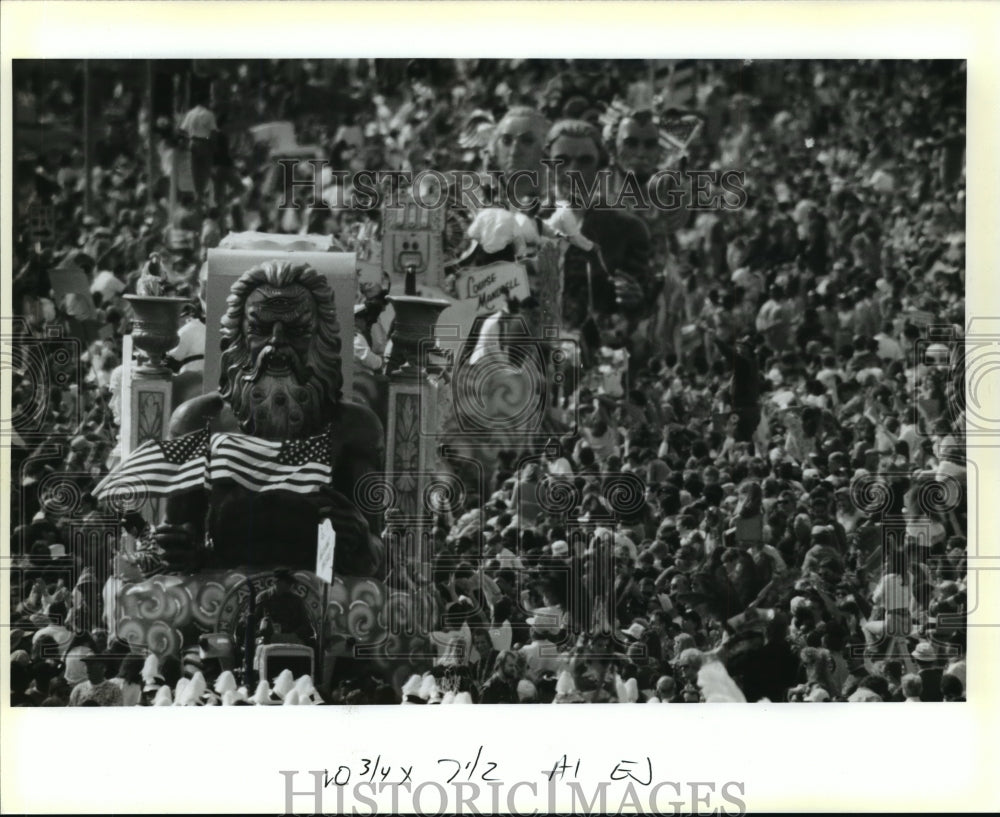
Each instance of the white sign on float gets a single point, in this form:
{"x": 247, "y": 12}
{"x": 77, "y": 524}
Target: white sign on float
{"x": 481, "y": 292}
{"x": 326, "y": 542}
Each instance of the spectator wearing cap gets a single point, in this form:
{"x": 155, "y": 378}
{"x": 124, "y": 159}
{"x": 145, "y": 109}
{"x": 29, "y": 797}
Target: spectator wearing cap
{"x": 930, "y": 671}
{"x": 633, "y": 634}
{"x": 96, "y": 690}
{"x": 541, "y": 655}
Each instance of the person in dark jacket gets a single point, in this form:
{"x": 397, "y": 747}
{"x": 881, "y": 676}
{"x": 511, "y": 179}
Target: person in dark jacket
{"x": 481, "y": 670}
{"x": 771, "y": 670}
{"x": 744, "y": 385}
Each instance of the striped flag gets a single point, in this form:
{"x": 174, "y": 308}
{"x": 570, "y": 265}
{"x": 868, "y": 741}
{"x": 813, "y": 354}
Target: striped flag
{"x": 300, "y": 466}
{"x": 159, "y": 468}
{"x": 683, "y": 83}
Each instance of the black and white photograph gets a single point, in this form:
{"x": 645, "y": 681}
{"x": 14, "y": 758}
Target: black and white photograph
{"x": 386, "y": 381}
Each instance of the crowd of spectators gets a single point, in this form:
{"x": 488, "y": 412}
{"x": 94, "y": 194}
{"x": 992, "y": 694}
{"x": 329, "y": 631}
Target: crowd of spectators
{"x": 792, "y": 408}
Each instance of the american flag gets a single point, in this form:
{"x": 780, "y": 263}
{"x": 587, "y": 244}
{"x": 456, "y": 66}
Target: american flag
{"x": 159, "y": 468}
{"x": 301, "y": 466}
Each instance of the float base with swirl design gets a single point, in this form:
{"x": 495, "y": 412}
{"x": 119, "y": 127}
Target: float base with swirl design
{"x": 166, "y": 614}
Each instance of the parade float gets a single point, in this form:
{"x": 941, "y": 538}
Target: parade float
{"x": 282, "y": 465}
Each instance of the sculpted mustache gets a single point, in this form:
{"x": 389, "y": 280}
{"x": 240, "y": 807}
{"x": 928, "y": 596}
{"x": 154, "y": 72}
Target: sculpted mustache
{"x": 302, "y": 372}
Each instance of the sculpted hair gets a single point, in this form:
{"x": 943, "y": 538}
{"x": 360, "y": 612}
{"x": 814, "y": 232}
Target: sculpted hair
{"x": 538, "y": 123}
{"x": 617, "y": 114}
{"x": 580, "y": 129}
{"x": 324, "y": 352}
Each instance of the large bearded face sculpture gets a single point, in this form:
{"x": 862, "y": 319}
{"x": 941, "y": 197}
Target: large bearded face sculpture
{"x": 281, "y": 351}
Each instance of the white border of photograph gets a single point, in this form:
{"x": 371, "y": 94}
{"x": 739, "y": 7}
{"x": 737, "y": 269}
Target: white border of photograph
{"x": 788, "y": 758}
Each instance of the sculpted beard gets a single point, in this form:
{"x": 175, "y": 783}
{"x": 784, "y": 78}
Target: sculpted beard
{"x": 274, "y": 398}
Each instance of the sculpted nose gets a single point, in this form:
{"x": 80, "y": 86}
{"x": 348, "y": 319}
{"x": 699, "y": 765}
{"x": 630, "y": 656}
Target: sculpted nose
{"x": 277, "y": 333}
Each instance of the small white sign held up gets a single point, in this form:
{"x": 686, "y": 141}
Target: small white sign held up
{"x": 326, "y": 541}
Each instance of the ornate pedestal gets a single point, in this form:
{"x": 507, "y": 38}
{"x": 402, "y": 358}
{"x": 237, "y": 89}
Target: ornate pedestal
{"x": 411, "y": 456}
{"x": 147, "y": 384}
{"x": 413, "y": 472}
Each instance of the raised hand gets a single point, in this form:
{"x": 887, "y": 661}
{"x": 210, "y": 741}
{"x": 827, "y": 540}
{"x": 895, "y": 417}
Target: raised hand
{"x": 628, "y": 293}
